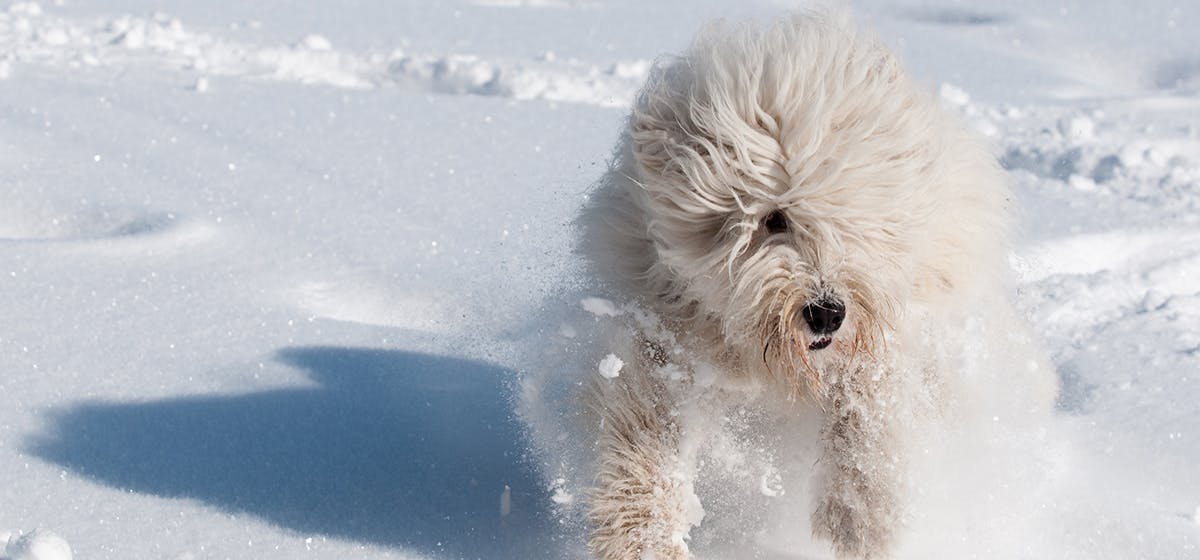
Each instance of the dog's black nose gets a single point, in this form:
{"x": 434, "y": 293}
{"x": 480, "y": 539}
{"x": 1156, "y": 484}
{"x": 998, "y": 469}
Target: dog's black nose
{"x": 824, "y": 316}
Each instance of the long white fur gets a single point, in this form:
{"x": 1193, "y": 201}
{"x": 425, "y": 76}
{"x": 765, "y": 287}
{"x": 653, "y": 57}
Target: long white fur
{"x": 894, "y": 208}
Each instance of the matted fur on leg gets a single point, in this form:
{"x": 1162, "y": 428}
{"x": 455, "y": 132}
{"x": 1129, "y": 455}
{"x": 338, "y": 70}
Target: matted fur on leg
{"x": 638, "y": 506}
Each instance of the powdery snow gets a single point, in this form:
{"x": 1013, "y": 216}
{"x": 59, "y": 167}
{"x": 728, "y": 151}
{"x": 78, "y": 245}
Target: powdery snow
{"x": 274, "y": 273}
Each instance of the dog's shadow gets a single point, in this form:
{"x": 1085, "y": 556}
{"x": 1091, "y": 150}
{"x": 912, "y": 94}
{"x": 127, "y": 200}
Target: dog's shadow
{"x": 391, "y": 448}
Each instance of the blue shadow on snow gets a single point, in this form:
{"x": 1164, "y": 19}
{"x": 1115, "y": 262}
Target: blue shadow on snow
{"x": 391, "y": 448}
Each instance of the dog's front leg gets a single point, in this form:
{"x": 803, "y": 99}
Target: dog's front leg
{"x": 860, "y": 511}
{"x": 643, "y": 504}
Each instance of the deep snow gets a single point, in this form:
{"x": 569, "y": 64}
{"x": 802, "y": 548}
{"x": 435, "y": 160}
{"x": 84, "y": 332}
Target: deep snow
{"x": 270, "y": 269}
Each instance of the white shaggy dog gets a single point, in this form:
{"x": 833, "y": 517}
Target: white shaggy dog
{"x": 788, "y": 212}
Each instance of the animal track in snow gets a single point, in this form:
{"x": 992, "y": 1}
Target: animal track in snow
{"x": 106, "y": 230}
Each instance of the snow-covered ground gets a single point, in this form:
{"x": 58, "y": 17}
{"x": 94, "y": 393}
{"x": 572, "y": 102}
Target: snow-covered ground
{"x": 267, "y": 268}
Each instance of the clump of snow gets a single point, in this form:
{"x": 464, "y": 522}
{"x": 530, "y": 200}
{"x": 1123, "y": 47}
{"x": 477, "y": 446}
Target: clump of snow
{"x": 560, "y": 494}
{"x": 540, "y": 78}
{"x": 1082, "y": 182}
{"x": 1077, "y": 127}
{"x": 54, "y": 36}
{"x": 314, "y": 42}
{"x": 631, "y": 69}
{"x": 954, "y": 94}
{"x": 159, "y": 33}
{"x": 770, "y": 484}
{"x": 600, "y": 307}
{"x": 39, "y": 544}
{"x": 610, "y": 366}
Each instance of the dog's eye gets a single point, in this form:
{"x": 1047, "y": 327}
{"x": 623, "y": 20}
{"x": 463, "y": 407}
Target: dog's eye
{"x": 776, "y": 222}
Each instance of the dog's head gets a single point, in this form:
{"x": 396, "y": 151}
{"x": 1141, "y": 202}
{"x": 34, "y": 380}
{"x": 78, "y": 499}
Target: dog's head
{"x": 790, "y": 182}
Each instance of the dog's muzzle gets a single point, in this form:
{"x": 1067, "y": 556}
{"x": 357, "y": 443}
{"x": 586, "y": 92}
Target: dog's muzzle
{"x": 823, "y": 317}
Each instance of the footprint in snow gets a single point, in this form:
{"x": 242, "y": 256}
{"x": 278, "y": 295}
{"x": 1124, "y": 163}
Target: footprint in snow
{"x": 104, "y": 231}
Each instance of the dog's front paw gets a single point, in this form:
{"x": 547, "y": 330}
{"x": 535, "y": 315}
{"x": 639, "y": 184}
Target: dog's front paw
{"x": 856, "y": 530}
{"x": 632, "y": 546}
{"x": 667, "y": 551}
{"x": 640, "y": 518}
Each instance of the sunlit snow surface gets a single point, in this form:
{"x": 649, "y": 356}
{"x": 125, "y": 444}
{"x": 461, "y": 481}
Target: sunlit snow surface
{"x": 270, "y": 271}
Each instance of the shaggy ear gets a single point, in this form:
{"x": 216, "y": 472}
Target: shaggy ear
{"x": 651, "y": 144}
{"x": 658, "y": 125}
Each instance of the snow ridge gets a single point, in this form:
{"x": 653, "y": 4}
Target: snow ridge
{"x": 31, "y": 36}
